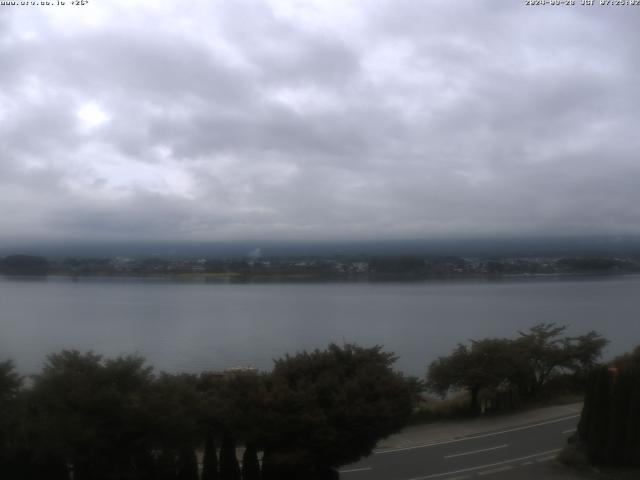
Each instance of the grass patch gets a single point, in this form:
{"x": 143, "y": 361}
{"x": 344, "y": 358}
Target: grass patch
{"x": 456, "y": 406}
{"x": 432, "y": 409}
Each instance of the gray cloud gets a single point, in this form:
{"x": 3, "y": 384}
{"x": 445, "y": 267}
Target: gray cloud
{"x": 318, "y": 120}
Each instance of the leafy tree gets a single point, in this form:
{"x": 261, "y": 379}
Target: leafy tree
{"x": 112, "y": 418}
{"x": 544, "y": 351}
{"x": 524, "y": 365}
{"x": 39, "y": 465}
{"x": 187, "y": 464}
{"x": 234, "y": 405}
{"x": 175, "y": 403}
{"x": 10, "y": 381}
{"x": 10, "y": 384}
{"x": 210, "y": 458}
{"x": 250, "y": 464}
{"x": 229, "y": 468}
{"x": 93, "y": 413}
{"x": 486, "y": 364}
{"x": 328, "y": 408}
{"x": 583, "y": 352}
{"x": 547, "y": 353}
{"x": 166, "y": 465}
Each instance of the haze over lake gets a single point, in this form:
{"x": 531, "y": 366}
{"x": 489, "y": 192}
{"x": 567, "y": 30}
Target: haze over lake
{"x": 195, "y": 326}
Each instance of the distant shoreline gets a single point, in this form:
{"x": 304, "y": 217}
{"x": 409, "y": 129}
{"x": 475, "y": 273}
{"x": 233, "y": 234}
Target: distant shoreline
{"x": 237, "y": 278}
{"x": 357, "y": 269}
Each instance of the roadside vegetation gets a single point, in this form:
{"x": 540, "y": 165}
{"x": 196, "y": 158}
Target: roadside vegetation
{"x": 85, "y": 417}
{"x": 92, "y": 418}
{"x": 499, "y": 374}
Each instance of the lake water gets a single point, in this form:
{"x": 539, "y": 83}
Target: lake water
{"x": 192, "y": 326}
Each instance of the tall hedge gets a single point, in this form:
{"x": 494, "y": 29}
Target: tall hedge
{"x": 610, "y": 422}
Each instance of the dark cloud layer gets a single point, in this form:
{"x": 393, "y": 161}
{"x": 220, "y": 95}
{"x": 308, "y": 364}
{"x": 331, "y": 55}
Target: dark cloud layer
{"x": 317, "y": 120}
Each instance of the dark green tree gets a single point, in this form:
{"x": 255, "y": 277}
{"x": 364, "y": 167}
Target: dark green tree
{"x": 10, "y": 382}
{"x": 234, "y": 405}
{"x": 547, "y": 354}
{"x": 542, "y": 346}
{"x": 166, "y": 465}
{"x": 522, "y": 367}
{"x": 229, "y": 468}
{"x": 187, "y": 464}
{"x": 329, "y": 408}
{"x": 175, "y": 404}
{"x": 210, "y": 458}
{"x": 176, "y": 400}
{"x": 39, "y": 465}
{"x": 10, "y": 385}
{"x": 583, "y": 352}
{"x": 486, "y": 364}
{"x": 250, "y": 463}
{"x": 93, "y": 413}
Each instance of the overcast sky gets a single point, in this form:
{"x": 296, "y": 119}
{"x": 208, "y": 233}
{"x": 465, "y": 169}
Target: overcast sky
{"x": 319, "y": 119}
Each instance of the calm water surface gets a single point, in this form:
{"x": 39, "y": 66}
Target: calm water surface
{"x": 195, "y": 326}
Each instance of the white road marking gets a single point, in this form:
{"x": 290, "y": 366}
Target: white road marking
{"x": 495, "y": 470}
{"x": 546, "y": 459}
{"x": 476, "y": 451}
{"x": 524, "y": 464}
{"x": 481, "y": 467}
{"x": 353, "y": 470}
{"x": 571, "y": 430}
{"x": 465, "y": 439}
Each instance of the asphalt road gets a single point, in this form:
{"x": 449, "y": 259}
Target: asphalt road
{"x": 511, "y": 453}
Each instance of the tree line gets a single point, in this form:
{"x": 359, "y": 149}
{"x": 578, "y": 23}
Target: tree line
{"x": 356, "y": 267}
{"x": 87, "y": 417}
{"x": 499, "y": 373}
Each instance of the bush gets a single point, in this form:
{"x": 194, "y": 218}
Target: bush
{"x": 432, "y": 409}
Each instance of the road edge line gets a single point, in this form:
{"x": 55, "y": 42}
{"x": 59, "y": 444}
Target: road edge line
{"x": 473, "y": 437}
{"x": 480, "y": 467}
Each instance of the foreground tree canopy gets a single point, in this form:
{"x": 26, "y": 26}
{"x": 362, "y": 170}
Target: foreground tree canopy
{"x": 330, "y": 408}
{"x": 102, "y": 419}
{"x": 521, "y": 367}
